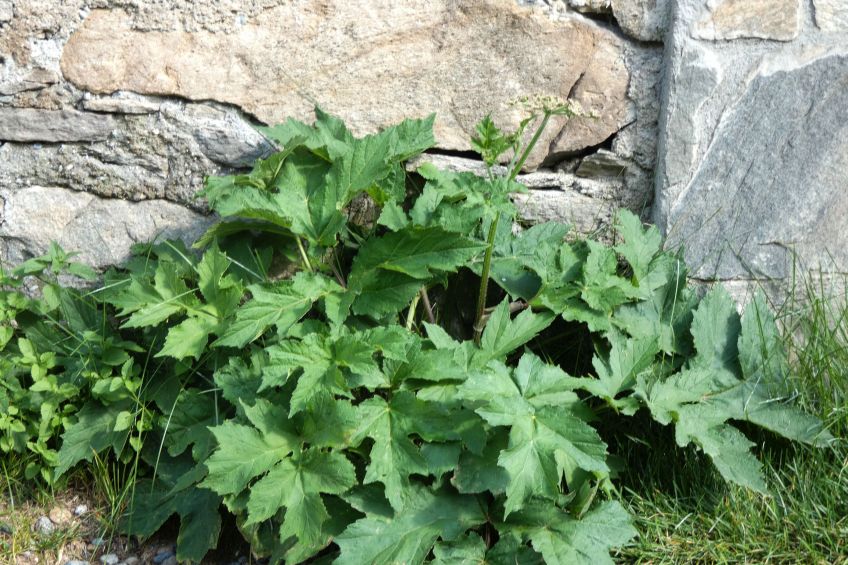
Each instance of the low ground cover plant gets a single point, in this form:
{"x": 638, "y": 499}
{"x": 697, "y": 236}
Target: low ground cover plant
{"x": 366, "y": 365}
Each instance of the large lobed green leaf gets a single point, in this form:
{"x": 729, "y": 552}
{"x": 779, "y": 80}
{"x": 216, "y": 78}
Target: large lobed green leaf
{"x": 408, "y": 536}
{"x": 564, "y": 540}
{"x": 92, "y": 432}
{"x": 739, "y": 373}
{"x": 155, "y": 500}
{"x": 388, "y": 271}
{"x": 281, "y": 305}
{"x": 547, "y": 436}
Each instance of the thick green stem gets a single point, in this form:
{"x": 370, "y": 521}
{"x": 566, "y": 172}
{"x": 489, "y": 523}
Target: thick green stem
{"x": 484, "y": 278}
{"x": 493, "y": 230}
{"x": 303, "y": 254}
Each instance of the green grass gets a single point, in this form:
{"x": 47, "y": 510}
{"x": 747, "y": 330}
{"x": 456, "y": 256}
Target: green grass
{"x": 687, "y": 514}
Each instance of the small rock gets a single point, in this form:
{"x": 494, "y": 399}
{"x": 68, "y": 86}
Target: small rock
{"x": 60, "y": 515}
{"x": 109, "y": 559}
{"x": 163, "y": 555}
{"x": 76, "y": 562}
{"x": 120, "y": 105}
{"x": 131, "y": 560}
{"x": 44, "y": 526}
{"x": 80, "y": 509}
{"x": 602, "y": 6}
{"x": 97, "y": 542}
{"x": 603, "y": 163}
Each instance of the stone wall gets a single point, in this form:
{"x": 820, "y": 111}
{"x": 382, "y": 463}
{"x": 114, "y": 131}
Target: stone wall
{"x": 752, "y": 174}
{"x": 112, "y": 111}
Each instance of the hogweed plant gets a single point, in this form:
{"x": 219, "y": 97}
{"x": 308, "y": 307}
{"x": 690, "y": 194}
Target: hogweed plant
{"x": 392, "y": 388}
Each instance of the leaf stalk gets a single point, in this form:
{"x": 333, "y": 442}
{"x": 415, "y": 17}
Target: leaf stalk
{"x": 410, "y": 316}
{"x": 303, "y": 255}
{"x": 428, "y": 308}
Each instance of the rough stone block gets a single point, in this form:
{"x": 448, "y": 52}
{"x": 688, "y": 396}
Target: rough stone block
{"x": 646, "y": 20}
{"x": 771, "y": 186}
{"x": 735, "y": 19}
{"x": 831, "y": 15}
{"x": 30, "y": 124}
{"x": 103, "y": 230}
{"x": 372, "y": 64}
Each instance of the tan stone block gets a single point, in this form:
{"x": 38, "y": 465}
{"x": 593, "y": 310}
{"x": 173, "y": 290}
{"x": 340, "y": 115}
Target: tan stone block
{"x": 735, "y": 19}
{"x": 372, "y": 63}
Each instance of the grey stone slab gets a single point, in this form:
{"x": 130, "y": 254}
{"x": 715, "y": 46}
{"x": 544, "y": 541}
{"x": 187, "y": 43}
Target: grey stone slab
{"x": 772, "y": 184}
{"x": 162, "y": 155}
{"x": 102, "y": 230}
{"x": 31, "y": 124}
{"x": 693, "y": 76}
{"x": 587, "y": 204}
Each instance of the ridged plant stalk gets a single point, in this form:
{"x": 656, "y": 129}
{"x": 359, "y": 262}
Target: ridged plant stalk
{"x": 479, "y": 322}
